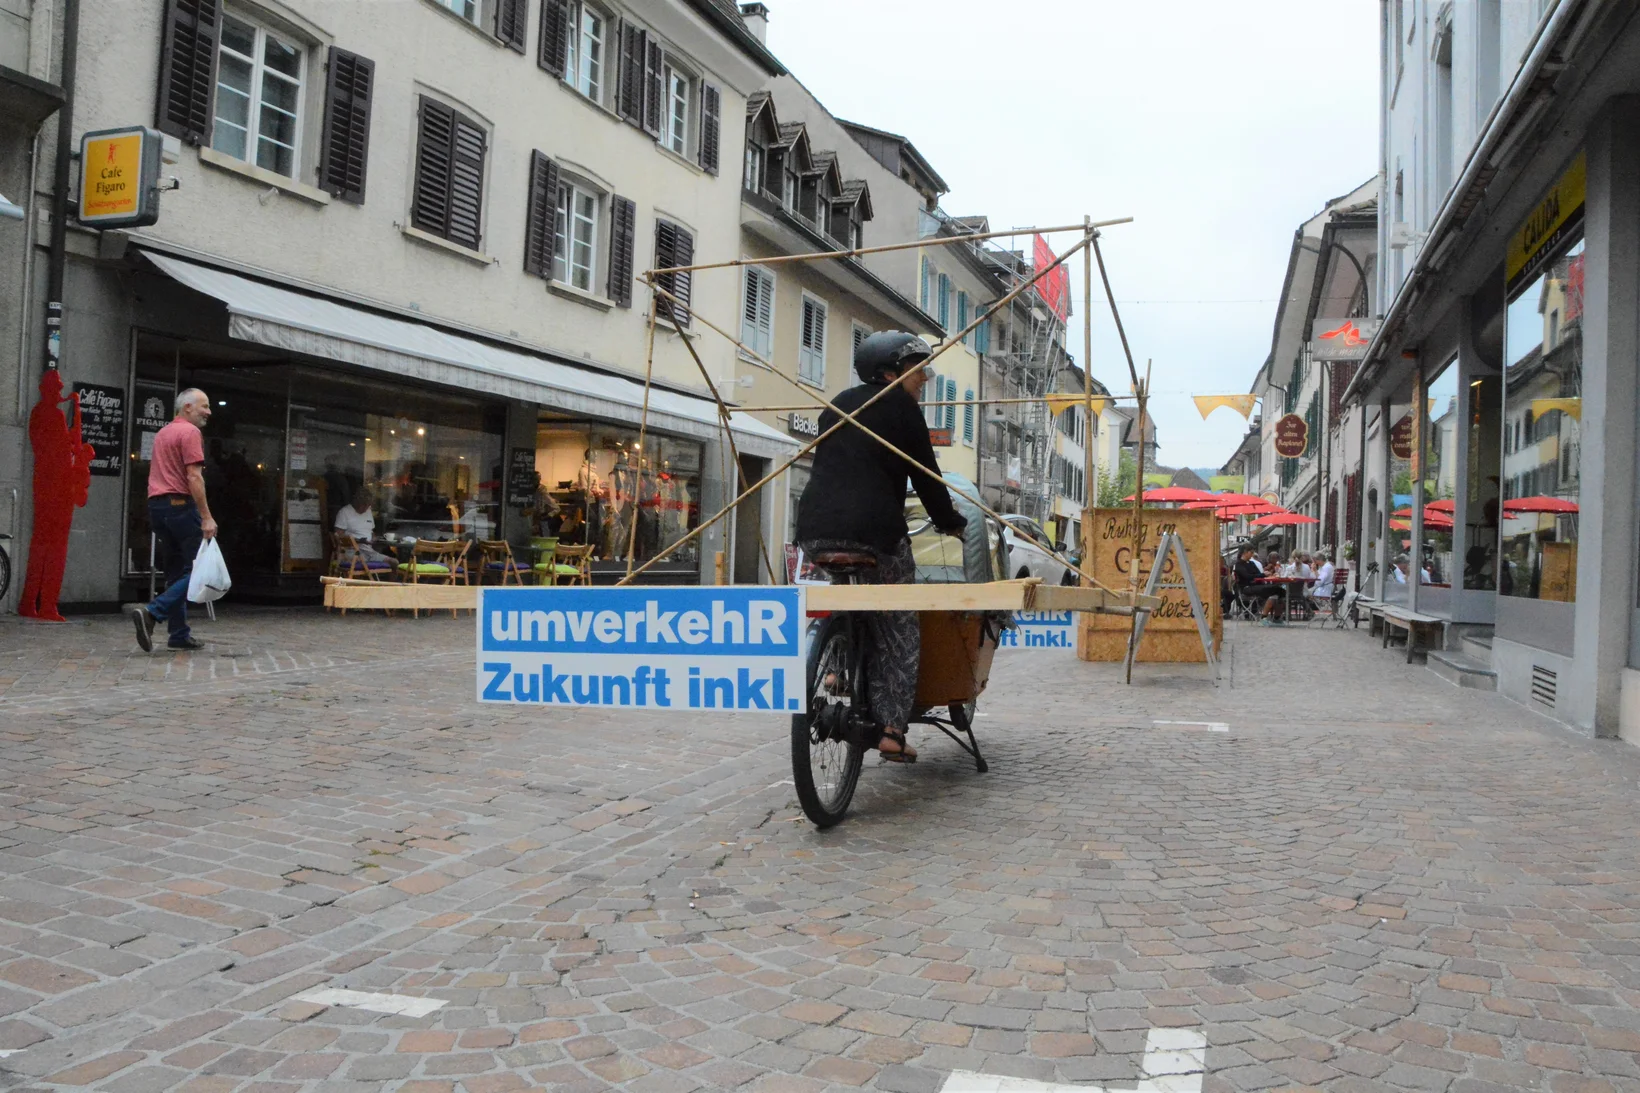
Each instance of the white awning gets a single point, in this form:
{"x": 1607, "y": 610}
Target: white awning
{"x": 319, "y": 327}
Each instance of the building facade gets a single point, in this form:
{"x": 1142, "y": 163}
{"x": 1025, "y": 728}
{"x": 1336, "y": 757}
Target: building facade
{"x": 1501, "y": 387}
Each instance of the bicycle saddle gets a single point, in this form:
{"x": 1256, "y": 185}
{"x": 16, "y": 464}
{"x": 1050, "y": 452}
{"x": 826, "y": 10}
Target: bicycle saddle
{"x": 845, "y": 559}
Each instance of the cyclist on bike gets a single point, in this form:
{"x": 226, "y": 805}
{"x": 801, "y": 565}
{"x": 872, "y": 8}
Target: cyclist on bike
{"x": 855, "y": 501}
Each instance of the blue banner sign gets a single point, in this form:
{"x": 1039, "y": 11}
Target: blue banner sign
{"x": 1040, "y": 630}
{"x": 724, "y": 648}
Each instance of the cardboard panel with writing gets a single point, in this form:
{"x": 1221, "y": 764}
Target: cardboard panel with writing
{"x": 1114, "y": 542}
{"x": 522, "y": 478}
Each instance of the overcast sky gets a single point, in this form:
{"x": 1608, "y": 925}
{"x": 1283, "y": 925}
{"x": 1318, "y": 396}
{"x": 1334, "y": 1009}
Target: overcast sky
{"x": 1218, "y": 127}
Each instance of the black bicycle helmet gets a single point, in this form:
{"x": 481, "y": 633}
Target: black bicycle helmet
{"x": 889, "y": 351}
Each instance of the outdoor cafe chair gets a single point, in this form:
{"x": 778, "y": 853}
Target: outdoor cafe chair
{"x": 495, "y": 559}
{"x": 435, "y": 562}
{"x": 347, "y": 560}
{"x": 569, "y": 565}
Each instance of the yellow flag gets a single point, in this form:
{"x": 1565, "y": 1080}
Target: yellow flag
{"x": 1571, "y": 407}
{"x": 1241, "y": 404}
{"x": 1058, "y": 404}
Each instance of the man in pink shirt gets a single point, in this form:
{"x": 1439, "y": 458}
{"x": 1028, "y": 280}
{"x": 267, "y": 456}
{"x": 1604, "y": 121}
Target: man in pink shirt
{"x": 180, "y": 517}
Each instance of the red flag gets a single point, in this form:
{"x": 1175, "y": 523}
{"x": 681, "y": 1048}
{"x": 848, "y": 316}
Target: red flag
{"x": 1055, "y": 288}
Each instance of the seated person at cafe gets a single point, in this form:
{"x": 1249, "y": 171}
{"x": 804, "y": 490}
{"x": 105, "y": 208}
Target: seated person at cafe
{"x": 358, "y": 519}
{"x": 1298, "y": 567}
{"x": 1272, "y": 564}
{"x": 1322, "y": 590}
{"x": 1248, "y": 574}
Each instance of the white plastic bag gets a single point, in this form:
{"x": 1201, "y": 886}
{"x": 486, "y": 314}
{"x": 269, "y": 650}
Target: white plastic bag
{"x": 209, "y": 580}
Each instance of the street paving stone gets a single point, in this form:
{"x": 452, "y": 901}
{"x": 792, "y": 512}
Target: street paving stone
{"x": 1372, "y": 881}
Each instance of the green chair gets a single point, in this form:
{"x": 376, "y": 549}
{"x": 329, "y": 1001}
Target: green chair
{"x": 547, "y": 568}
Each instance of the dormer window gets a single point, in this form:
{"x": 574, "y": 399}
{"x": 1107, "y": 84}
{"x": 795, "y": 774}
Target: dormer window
{"x": 753, "y": 176}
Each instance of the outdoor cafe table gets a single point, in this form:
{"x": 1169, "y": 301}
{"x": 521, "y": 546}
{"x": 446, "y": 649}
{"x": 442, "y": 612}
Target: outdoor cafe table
{"x": 1292, "y": 585}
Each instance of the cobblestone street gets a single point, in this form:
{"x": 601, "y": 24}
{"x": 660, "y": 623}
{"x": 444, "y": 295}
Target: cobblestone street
{"x": 1372, "y": 880}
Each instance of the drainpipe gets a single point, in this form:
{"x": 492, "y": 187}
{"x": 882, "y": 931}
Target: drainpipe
{"x": 59, "y": 187}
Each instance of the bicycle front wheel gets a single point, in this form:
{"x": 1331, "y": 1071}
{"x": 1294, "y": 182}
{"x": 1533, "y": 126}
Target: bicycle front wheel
{"x": 825, "y": 763}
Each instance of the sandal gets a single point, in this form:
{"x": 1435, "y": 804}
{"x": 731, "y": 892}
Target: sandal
{"x": 903, "y": 753}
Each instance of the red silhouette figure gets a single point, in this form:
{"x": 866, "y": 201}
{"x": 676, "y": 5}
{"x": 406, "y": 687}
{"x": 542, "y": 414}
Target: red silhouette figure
{"x": 62, "y": 482}
{"x": 1349, "y": 332}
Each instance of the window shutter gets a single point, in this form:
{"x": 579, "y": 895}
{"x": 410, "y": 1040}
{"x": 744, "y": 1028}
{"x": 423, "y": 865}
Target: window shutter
{"x": 552, "y": 51}
{"x": 187, "y": 68}
{"x": 653, "y": 91}
{"x": 538, "y": 218}
{"x": 623, "y": 227}
{"x": 950, "y": 410}
{"x": 511, "y": 18}
{"x": 634, "y": 48}
{"x": 711, "y": 106}
{"x": 430, "y": 207}
{"x": 673, "y": 247}
{"x": 751, "y": 296}
{"x": 467, "y": 183}
{"x": 922, "y": 285}
{"x": 346, "y": 142}
{"x": 968, "y": 416}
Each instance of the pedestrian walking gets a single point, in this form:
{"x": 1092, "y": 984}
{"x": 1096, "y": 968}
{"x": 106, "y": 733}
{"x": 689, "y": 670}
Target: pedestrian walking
{"x": 179, "y": 516}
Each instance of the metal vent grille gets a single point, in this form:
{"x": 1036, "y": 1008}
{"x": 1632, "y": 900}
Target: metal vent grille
{"x": 1544, "y": 683}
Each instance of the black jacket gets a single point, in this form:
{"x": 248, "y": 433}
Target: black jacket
{"x": 856, "y": 491}
{"x": 1247, "y": 573}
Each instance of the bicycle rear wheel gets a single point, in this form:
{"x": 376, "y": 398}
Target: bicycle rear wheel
{"x": 825, "y": 762}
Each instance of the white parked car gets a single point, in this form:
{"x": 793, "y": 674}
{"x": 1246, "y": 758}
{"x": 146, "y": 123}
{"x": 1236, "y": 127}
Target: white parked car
{"x": 1032, "y": 552}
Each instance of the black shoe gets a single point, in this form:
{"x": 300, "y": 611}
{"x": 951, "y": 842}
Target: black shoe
{"x": 185, "y": 644}
{"x": 144, "y": 622}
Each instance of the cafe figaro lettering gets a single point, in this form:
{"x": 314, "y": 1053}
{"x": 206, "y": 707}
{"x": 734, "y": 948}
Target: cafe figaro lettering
{"x": 119, "y": 177}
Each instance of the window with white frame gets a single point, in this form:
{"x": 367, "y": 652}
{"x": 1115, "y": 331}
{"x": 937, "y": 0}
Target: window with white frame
{"x": 258, "y": 114}
{"x": 811, "y": 346}
{"x": 757, "y": 312}
{"x": 789, "y": 184}
{"x": 585, "y": 61}
{"x": 575, "y": 243}
{"x": 678, "y": 97}
{"x": 753, "y": 174}
{"x": 467, "y": 9}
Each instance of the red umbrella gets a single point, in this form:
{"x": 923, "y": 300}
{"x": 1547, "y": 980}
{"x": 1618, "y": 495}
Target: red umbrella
{"x": 1433, "y": 518}
{"x": 1263, "y": 508}
{"x": 1228, "y": 499}
{"x": 1442, "y": 506}
{"x": 1174, "y": 493}
{"x": 1540, "y": 504}
{"x": 1401, "y": 525}
{"x": 1284, "y": 519}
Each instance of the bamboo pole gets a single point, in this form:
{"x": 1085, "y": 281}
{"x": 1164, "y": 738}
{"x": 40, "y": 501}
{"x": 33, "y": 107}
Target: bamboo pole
{"x": 728, "y": 433}
{"x": 849, "y": 418}
{"x": 925, "y": 402}
{"x": 1138, "y": 516}
{"x": 643, "y": 428}
{"x": 814, "y": 443}
{"x": 931, "y": 241}
{"x": 1087, "y": 402}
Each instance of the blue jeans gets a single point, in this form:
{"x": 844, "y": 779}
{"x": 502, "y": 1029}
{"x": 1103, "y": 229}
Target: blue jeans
{"x": 176, "y": 522}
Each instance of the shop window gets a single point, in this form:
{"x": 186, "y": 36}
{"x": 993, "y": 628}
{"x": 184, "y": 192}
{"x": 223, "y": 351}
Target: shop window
{"x": 258, "y": 116}
{"x": 623, "y": 499}
{"x": 1543, "y": 389}
{"x": 811, "y": 350}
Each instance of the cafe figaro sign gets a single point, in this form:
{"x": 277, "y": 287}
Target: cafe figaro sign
{"x": 119, "y": 177}
{"x": 1292, "y": 436}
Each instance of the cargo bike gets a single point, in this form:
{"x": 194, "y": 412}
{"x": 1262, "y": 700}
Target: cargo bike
{"x": 963, "y": 609}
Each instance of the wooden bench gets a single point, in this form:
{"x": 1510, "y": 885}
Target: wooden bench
{"x": 1424, "y": 632}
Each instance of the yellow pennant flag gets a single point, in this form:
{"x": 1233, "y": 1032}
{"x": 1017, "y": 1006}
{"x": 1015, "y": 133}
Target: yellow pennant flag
{"x": 1571, "y": 407}
{"x": 1058, "y": 404}
{"x": 1241, "y": 404}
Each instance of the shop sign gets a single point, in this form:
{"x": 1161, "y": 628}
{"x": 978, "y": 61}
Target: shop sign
{"x": 521, "y": 477}
{"x": 1400, "y": 438}
{"x": 296, "y": 442}
{"x": 1342, "y": 339}
{"x": 1039, "y": 630}
{"x": 102, "y": 425}
{"x": 1115, "y": 544}
{"x": 153, "y": 404}
{"x": 802, "y": 425}
{"x": 1543, "y": 237}
{"x": 1292, "y": 436}
{"x": 940, "y": 438}
{"x": 119, "y": 177}
{"x": 723, "y": 648}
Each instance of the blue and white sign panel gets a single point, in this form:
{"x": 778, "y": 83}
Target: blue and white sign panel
{"x": 724, "y": 648}
{"x": 1040, "y": 630}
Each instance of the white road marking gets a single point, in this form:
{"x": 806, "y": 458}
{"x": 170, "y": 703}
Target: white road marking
{"x": 10, "y": 1051}
{"x": 400, "y": 1004}
{"x": 1175, "y": 1059}
{"x": 1210, "y": 726}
